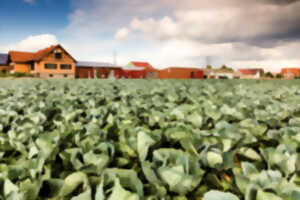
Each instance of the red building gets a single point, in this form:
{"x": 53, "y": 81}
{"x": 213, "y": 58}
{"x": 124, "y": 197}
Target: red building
{"x": 97, "y": 70}
{"x": 181, "y": 73}
{"x": 133, "y": 73}
{"x": 151, "y": 72}
{"x": 290, "y": 73}
{"x": 249, "y": 73}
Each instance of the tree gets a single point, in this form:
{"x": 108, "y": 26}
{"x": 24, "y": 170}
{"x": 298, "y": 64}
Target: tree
{"x": 224, "y": 67}
{"x": 269, "y": 75}
{"x": 280, "y": 76}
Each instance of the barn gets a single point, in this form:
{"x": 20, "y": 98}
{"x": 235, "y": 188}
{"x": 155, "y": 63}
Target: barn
{"x": 181, "y": 73}
{"x": 150, "y": 71}
{"x": 101, "y": 70}
{"x": 134, "y": 72}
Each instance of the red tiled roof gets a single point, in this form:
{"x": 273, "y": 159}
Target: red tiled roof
{"x": 143, "y": 64}
{"x": 184, "y": 68}
{"x": 249, "y": 71}
{"x": 18, "y": 56}
{"x": 44, "y": 52}
{"x": 295, "y": 71}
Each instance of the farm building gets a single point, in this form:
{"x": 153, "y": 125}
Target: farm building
{"x": 134, "y": 72}
{"x": 97, "y": 70}
{"x": 209, "y": 73}
{"x": 181, "y": 73}
{"x": 151, "y": 72}
{"x": 224, "y": 74}
{"x": 290, "y": 73}
{"x": 249, "y": 73}
{"x": 4, "y": 63}
{"x": 52, "y": 62}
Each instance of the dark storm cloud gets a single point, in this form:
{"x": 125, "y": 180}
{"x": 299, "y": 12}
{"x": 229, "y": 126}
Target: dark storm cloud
{"x": 281, "y": 2}
{"x": 237, "y": 32}
{"x": 264, "y": 25}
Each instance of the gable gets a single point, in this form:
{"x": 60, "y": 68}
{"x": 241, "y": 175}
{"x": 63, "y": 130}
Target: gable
{"x": 57, "y": 54}
{"x": 50, "y": 54}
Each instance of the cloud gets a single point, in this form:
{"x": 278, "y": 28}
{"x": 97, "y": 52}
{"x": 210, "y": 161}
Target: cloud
{"x": 257, "y": 25}
{"x": 32, "y": 43}
{"x": 237, "y": 55}
{"x": 246, "y": 33}
{"x": 122, "y": 34}
{"x": 282, "y": 2}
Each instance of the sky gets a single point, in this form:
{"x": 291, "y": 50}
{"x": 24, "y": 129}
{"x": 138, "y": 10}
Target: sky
{"x": 187, "y": 33}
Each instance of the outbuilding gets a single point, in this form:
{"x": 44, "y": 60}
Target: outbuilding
{"x": 132, "y": 72}
{"x": 181, "y": 73}
{"x": 97, "y": 70}
{"x": 249, "y": 73}
{"x": 150, "y": 71}
{"x": 290, "y": 73}
{"x": 224, "y": 74}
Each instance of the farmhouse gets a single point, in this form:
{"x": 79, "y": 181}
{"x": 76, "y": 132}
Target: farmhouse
{"x": 181, "y": 73}
{"x": 97, "y": 70}
{"x": 52, "y": 62}
{"x": 150, "y": 71}
{"x": 4, "y": 63}
{"x": 290, "y": 73}
{"x": 249, "y": 73}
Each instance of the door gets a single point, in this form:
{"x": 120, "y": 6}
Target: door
{"x": 95, "y": 74}
{"x": 192, "y": 75}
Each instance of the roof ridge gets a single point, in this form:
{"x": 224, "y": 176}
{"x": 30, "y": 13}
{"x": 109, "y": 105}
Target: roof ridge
{"x": 52, "y": 46}
{"x": 139, "y": 61}
{"x": 21, "y": 52}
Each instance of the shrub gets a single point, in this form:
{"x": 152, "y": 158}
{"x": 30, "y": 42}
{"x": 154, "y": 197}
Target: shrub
{"x": 20, "y": 74}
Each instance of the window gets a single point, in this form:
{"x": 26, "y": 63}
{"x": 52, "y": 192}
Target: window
{"x": 4, "y": 71}
{"x": 65, "y": 66}
{"x": 50, "y": 66}
{"x": 50, "y": 75}
{"x": 58, "y": 55}
{"x": 192, "y": 75}
{"x": 32, "y": 67}
{"x": 66, "y": 75}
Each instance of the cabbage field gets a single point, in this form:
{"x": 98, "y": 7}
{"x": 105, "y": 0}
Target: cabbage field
{"x": 149, "y": 140}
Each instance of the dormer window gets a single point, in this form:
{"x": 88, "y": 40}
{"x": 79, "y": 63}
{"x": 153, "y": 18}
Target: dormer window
{"x": 58, "y": 54}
